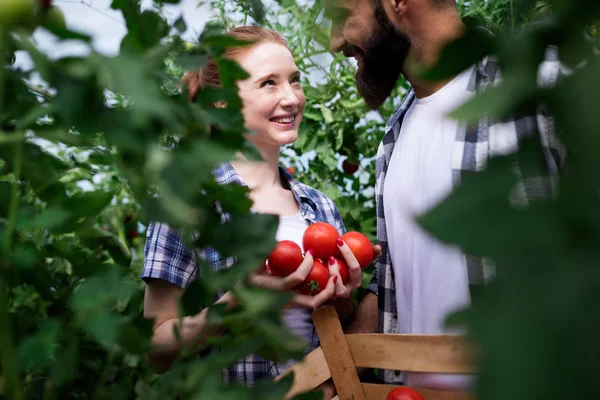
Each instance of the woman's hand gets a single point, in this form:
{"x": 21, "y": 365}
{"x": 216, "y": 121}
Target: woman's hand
{"x": 354, "y": 270}
{"x": 287, "y": 283}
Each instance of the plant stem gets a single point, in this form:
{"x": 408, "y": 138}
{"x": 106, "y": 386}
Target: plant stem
{"x": 512, "y": 15}
{"x": 7, "y": 350}
{"x": 14, "y": 201}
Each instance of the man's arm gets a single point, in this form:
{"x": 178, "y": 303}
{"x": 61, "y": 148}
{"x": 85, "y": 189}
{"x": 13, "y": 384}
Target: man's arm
{"x": 365, "y": 318}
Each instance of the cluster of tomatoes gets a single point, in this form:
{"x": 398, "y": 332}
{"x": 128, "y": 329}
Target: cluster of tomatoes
{"x": 28, "y": 14}
{"x": 322, "y": 239}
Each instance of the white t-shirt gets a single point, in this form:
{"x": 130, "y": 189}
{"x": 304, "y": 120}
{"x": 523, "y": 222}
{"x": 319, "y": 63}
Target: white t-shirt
{"x": 296, "y": 319}
{"x": 430, "y": 277}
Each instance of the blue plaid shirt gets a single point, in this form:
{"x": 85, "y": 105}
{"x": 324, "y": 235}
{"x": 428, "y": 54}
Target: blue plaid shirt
{"x": 168, "y": 258}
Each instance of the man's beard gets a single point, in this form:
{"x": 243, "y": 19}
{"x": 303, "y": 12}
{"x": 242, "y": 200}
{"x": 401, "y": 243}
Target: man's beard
{"x": 381, "y": 65}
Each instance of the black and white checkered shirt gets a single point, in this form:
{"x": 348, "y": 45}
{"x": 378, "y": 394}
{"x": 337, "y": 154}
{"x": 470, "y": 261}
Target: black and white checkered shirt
{"x": 473, "y": 147}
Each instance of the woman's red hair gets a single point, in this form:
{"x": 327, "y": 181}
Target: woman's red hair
{"x": 208, "y": 75}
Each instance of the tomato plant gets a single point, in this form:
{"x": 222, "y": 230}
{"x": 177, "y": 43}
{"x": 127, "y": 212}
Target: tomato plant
{"x": 321, "y": 238}
{"x": 285, "y": 258}
{"x": 361, "y": 247}
{"x": 404, "y": 393}
{"x": 316, "y": 280}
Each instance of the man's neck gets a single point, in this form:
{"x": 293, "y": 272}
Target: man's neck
{"x": 426, "y": 51}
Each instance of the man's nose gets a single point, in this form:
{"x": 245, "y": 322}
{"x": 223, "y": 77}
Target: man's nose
{"x": 336, "y": 39}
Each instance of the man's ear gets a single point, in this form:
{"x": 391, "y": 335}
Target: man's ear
{"x": 401, "y": 5}
{"x": 395, "y": 8}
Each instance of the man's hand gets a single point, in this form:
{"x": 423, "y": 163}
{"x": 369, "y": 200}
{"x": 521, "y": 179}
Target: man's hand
{"x": 328, "y": 389}
{"x": 354, "y": 270}
{"x": 266, "y": 281}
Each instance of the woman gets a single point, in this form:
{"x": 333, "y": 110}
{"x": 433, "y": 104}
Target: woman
{"x": 273, "y": 105}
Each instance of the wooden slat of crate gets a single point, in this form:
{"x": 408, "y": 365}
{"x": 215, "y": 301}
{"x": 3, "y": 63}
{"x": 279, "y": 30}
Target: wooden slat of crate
{"x": 337, "y": 354}
{"x": 422, "y": 353}
{"x": 309, "y": 373}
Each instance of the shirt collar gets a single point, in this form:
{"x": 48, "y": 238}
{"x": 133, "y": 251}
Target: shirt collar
{"x": 225, "y": 173}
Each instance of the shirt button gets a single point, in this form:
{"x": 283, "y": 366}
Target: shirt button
{"x": 395, "y": 316}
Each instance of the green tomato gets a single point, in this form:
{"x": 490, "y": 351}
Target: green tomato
{"x": 14, "y": 12}
{"x": 54, "y": 17}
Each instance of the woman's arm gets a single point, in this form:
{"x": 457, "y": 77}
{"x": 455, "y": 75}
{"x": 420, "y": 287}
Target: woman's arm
{"x": 160, "y": 303}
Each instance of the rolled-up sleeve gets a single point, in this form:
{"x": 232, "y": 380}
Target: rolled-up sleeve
{"x": 166, "y": 256}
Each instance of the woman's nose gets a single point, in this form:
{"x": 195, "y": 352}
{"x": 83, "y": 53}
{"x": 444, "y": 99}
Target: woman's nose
{"x": 289, "y": 97}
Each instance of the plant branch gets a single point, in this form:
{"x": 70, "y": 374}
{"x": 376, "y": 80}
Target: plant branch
{"x": 7, "y": 350}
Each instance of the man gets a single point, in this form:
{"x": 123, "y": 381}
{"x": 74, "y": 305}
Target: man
{"x": 418, "y": 280}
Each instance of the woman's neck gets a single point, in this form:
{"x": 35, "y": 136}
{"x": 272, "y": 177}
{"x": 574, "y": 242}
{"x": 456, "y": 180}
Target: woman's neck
{"x": 259, "y": 174}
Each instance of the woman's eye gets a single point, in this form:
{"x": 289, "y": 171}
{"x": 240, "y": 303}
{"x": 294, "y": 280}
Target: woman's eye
{"x": 296, "y": 79}
{"x": 269, "y": 82}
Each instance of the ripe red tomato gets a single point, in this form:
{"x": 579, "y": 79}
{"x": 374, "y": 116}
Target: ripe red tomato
{"x": 349, "y": 167}
{"x": 343, "y": 267}
{"x": 316, "y": 280}
{"x": 285, "y": 258}
{"x": 321, "y": 238}
{"x": 361, "y": 247}
{"x": 291, "y": 170}
{"x": 404, "y": 393}
{"x": 133, "y": 234}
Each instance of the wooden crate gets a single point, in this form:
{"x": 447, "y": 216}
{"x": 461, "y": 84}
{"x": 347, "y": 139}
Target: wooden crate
{"x": 340, "y": 354}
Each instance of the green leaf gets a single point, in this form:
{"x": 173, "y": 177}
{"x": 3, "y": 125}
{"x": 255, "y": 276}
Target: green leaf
{"x": 257, "y": 301}
{"x": 327, "y": 114}
{"x": 36, "y": 350}
{"x": 460, "y": 54}
{"x": 180, "y": 24}
{"x": 196, "y": 297}
{"x": 462, "y": 218}
{"x": 103, "y": 291}
{"x": 191, "y": 62}
{"x": 132, "y": 77}
{"x": 103, "y": 327}
{"x": 88, "y": 203}
{"x": 498, "y": 102}
{"x": 65, "y": 367}
{"x": 10, "y": 138}
{"x": 48, "y": 219}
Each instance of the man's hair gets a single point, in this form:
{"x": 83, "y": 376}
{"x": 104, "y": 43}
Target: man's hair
{"x": 439, "y": 4}
{"x": 442, "y": 4}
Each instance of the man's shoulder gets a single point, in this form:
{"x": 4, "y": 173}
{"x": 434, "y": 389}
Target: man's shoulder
{"x": 550, "y": 70}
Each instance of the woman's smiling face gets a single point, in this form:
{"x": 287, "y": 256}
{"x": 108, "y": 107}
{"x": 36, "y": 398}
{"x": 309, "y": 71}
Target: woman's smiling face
{"x": 273, "y": 99}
